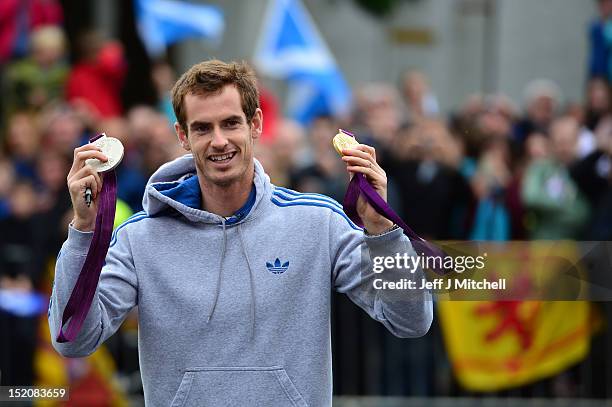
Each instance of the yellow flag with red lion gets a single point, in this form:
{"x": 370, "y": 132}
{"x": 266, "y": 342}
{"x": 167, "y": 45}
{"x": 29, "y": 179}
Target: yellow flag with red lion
{"x": 504, "y": 343}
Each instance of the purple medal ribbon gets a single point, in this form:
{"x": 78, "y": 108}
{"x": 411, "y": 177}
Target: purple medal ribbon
{"x": 85, "y": 288}
{"x": 359, "y": 185}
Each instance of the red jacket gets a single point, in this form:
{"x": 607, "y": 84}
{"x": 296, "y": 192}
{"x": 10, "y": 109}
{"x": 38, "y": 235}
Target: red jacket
{"x": 99, "y": 82}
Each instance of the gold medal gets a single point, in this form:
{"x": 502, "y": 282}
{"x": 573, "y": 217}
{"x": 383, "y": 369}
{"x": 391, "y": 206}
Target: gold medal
{"x": 342, "y": 140}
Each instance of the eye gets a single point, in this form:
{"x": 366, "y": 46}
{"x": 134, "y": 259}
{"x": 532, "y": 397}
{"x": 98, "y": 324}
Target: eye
{"x": 200, "y": 128}
{"x": 231, "y": 124}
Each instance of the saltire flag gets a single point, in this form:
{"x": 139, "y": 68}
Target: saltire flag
{"x": 164, "y": 22}
{"x": 291, "y": 48}
{"x": 501, "y": 344}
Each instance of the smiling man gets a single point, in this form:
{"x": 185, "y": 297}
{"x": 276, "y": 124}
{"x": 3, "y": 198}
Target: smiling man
{"x": 218, "y": 120}
{"x": 232, "y": 275}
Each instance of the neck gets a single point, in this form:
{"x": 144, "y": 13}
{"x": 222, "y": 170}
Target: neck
{"x": 225, "y": 200}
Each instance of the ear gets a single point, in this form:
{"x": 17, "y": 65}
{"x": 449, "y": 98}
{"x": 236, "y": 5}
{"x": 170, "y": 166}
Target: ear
{"x": 257, "y": 124}
{"x": 182, "y": 137}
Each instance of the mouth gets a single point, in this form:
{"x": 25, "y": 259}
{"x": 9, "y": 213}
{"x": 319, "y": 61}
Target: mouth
{"x": 222, "y": 158}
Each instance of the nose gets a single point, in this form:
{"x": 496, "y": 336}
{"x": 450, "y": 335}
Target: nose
{"x": 219, "y": 141}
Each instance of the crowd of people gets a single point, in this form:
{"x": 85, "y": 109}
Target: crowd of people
{"x": 490, "y": 171}
{"x": 493, "y": 169}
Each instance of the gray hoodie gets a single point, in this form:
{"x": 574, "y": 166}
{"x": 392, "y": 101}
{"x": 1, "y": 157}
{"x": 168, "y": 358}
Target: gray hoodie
{"x": 234, "y": 311}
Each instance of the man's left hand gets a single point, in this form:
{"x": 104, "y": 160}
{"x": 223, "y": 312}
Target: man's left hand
{"x": 362, "y": 158}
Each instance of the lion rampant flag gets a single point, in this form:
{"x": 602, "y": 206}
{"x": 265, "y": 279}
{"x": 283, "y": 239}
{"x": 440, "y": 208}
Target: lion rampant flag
{"x": 504, "y": 344}
{"x": 91, "y": 381}
{"x": 507, "y": 342}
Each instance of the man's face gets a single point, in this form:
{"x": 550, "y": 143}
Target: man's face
{"x": 219, "y": 136}
{"x": 564, "y": 136}
{"x": 542, "y": 109}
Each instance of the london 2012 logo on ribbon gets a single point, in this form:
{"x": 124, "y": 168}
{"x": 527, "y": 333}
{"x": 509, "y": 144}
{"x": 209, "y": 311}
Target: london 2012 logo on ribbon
{"x": 277, "y": 267}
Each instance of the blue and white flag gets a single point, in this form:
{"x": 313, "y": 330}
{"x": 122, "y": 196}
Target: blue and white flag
{"x": 291, "y": 48}
{"x": 164, "y": 22}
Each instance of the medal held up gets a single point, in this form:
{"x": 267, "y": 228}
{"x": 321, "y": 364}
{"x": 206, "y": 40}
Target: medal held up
{"x": 359, "y": 185}
{"x": 83, "y": 292}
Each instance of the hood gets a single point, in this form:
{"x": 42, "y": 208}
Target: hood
{"x": 174, "y": 186}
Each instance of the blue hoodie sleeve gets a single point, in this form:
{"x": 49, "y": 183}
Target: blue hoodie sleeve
{"x": 405, "y": 313}
{"x": 115, "y": 295}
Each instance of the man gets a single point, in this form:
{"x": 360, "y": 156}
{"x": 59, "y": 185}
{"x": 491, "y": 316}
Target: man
{"x": 232, "y": 275}
{"x": 558, "y": 208}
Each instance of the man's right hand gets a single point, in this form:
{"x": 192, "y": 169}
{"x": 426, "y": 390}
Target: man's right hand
{"x": 81, "y": 177}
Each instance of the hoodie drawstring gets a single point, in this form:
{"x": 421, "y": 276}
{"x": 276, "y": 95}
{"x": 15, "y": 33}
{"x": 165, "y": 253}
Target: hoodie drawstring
{"x": 246, "y": 256}
{"x": 218, "y": 285}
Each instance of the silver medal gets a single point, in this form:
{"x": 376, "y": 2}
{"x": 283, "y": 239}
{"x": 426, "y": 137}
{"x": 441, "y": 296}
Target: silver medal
{"x": 112, "y": 149}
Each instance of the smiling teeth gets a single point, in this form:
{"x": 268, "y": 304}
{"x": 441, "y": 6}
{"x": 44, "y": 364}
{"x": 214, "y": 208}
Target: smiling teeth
{"x": 222, "y": 157}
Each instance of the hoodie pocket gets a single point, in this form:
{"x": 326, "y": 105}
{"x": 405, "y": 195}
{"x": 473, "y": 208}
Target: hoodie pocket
{"x": 237, "y": 386}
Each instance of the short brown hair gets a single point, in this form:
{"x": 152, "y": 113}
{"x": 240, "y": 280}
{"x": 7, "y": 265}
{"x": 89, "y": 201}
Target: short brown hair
{"x": 210, "y": 77}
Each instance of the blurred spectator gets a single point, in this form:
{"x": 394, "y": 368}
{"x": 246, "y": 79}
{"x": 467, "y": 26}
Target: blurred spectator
{"x": 22, "y": 144}
{"x": 18, "y": 241}
{"x": 39, "y": 79}
{"x": 503, "y": 105}
{"x": 558, "y": 210}
{"x": 131, "y": 176}
{"x": 17, "y": 268}
{"x": 63, "y": 129}
{"x": 597, "y": 104}
{"x": 593, "y": 175}
{"x": 287, "y": 151}
{"x": 542, "y": 100}
{"x": 51, "y": 168}
{"x": 484, "y": 126}
{"x": 493, "y": 125}
{"x": 7, "y": 179}
{"x": 537, "y": 147}
{"x": 96, "y": 79}
{"x": 320, "y": 134}
{"x": 378, "y": 116}
{"x": 490, "y": 183}
{"x": 599, "y": 64}
{"x": 463, "y": 125}
{"x": 420, "y": 101}
{"x": 326, "y": 174}
{"x": 53, "y": 207}
{"x": 140, "y": 121}
{"x": 116, "y": 127}
{"x": 163, "y": 79}
{"x": 23, "y": 253}
{"x": 18, "y": 17}
{"x": 265, "y": 155}
{"x": 423, "y": 164}
{"x": 161, "y": 146}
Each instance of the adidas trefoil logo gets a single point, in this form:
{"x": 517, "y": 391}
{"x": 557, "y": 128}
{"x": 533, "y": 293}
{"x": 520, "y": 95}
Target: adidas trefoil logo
{"x": 277, "y": 267}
